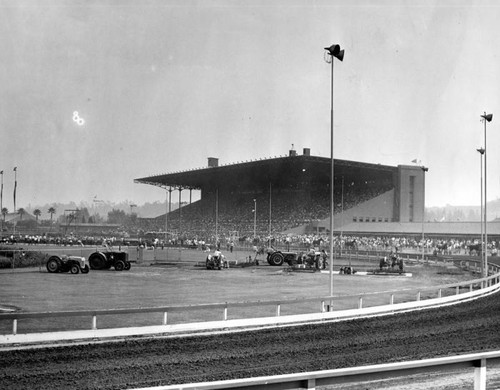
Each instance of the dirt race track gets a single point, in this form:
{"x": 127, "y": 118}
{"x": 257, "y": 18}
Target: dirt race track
{"x": 473, "y": 326}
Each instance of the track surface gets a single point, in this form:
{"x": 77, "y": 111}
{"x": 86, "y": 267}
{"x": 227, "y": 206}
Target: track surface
{"x": 469, "y": 327}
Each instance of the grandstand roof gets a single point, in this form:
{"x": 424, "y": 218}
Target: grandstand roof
{"x": 280, "y": 171}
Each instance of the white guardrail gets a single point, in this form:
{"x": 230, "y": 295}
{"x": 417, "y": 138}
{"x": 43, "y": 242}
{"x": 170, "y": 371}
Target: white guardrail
{"x": 310, "y": 380}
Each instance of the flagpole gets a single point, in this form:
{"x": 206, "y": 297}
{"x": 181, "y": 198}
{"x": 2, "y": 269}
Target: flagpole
{"x": 1, "y": 202}
{"x": 15, "y": 187}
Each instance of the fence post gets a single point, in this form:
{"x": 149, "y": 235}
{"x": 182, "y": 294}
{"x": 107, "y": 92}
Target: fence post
{"x": 392, "y": 299}
{"x": 480, "y": 374}
{"x": 457, "y": 289}
{"x": 225, "y": 313}
{"x": 14, "y": 326}
{"x": 439, "y": 293}
{"x": 360, "y": 303}
{"x": 322, "y": 306}
{"x": 94, "y": 322}
{"x": 165, "y": 318}
{"x": 418, "y": 296}
{"x": 278, "y": 310}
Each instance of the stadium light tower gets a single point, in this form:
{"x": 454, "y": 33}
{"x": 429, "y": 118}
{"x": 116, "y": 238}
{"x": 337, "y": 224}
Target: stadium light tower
{"x": 485, "y": 118}
{"x": 331, "y": 52}
{"x": 481, "y": 153}
{"x": 424, "y": 169}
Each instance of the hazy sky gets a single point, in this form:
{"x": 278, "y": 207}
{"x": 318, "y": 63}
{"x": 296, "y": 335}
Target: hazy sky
{"x": 162, "y": 85}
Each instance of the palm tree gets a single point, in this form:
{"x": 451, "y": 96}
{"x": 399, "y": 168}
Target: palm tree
{"x": 51, "y": 211}
{"x": 21, "y": 212}
{"x": 5, "y": 211}
{"x": 37, "y": 213}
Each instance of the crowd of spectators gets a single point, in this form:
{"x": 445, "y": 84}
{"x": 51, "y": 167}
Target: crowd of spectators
{"x": 450, "y": 246}
{"x": 250, "y": 214}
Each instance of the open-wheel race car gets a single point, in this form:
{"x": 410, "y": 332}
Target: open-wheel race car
{"x": 107, "y": 259}
{"x": 73, "y": 264}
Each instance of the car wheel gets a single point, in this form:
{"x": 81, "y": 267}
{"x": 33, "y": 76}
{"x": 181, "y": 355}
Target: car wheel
{"x": 127, "y": 265}
{"x": 74, "y": 269}
{"x": 276, "y": 259}
{"x": 85, "y": 270}
{"x": 119, "y": 265}
{"x": 53, "y": 264}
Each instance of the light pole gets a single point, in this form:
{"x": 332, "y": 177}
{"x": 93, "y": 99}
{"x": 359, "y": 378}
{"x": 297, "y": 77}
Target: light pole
{"x": 481, "y": 153}
{"x": 1, "y": 202}
{"x": 424, "y": 169}
{"x": 217, "y": 218}
{"x": 270, "y": 212}
{"x": 254, "y": 219}
{"x": 332, "y": 51}
{"x": 485, "y": 118}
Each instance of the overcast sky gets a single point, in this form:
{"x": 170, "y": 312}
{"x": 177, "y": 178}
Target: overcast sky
{"x": 162, "y": 85}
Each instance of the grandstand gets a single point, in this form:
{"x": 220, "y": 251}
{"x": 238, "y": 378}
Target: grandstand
{"x": 291, "y": 193}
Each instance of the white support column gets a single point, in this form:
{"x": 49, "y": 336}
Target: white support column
{"x": 165, "y": 318}
{"x": 480, "y": 375}
{"x": 278, "y": 310}
{"x": 94, "y": 322}
{"x": 14, "y": 326}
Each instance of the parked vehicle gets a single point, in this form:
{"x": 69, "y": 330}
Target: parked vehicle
{"x": 107, "y": 259}
{"x": 215, "y": 261}
{"x": 73, "y": 264}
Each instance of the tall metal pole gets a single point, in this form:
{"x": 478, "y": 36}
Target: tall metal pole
{"x": 342, "y": 209}
{"x": 216, "y": 216}
{"x": 485, "y": 251}
{"x": 270, "y": 210}
{"x": 333, "y": 51}
{"x": 481, "y": 152}
{"x": 180, "y": 216}
{"x": 1, "y": 203}
{"x": 254, "y": 219}
{"x": 486, "y": 118}
{"x": 166, "y": 215}
{"x": 332, "y": 206}
{"x": 424, "y": 169}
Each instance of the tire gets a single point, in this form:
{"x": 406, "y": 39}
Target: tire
{"x": 127, "y": 265}
{"x": 53, "y": 264}
{"x": 119, "y": 265}
{"x": 75, "y": 269}
{"x": 276, "y": 259}
{"x": 97, "y": 261}
{"x": 86, "y": 269}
